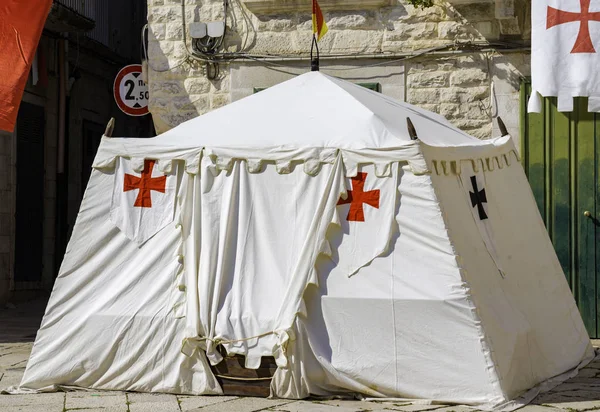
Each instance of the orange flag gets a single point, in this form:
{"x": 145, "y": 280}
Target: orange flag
{"x": 319, "y": 25}
{"x": 21, "y": 25}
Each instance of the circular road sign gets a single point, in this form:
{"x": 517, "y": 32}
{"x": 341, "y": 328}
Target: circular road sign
{"x": 130, "y": 91}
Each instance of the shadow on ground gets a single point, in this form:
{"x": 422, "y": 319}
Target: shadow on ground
{"x": 20, "y": 322}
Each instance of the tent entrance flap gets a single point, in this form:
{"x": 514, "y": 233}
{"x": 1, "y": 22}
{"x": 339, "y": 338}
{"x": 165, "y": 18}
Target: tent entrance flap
{"x": 253, "y": 240}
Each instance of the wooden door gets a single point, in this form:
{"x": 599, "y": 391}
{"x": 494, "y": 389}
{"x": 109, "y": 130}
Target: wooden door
{"x": 560, "y": 153}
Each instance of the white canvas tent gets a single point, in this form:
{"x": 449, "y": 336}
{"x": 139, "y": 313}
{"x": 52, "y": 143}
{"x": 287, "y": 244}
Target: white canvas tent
{"x": 303, "y": 223}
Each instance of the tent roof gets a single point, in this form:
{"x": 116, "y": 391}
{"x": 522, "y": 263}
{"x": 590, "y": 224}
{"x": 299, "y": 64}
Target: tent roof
{"x": 306, "y": 119}
{"x": 316, "y": 110}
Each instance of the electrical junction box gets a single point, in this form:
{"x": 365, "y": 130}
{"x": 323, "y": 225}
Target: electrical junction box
{"x": 198, "y": 30}
{"x": 216, "y": 28}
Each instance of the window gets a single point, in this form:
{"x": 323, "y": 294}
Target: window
{"x": 371, "y": 86}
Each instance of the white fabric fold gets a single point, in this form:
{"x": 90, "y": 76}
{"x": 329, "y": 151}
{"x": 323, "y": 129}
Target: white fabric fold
{"x": 248, "y": 227}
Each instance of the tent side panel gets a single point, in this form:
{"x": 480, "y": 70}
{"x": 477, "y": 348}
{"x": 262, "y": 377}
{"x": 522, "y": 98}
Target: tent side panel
{"x": 109, "y": 323}
{"x": 402, "y": 326}
{"x": 529, "y": 316}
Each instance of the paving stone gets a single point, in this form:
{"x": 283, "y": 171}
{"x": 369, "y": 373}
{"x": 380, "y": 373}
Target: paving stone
{"x": 80, "y": 400}
{"x": 568, "y": 386}
{"x": 568, "y": 403}
{"x": 150, "y": 402}
{"x": 47, "y": 401}
{"x": 10, "y": 378}
{"x": 188, "y": 403}
{"x": 43, "y": 408}
{"x": 6, "y": 348}
{"x": 580, "y": 395}
{"x": 12, "y": 359}
{"x": 415, "y": 407}
{"x": 99, "y": 409}
{"x": 588, "y": 373}
{"x": 583, "y": 380}
{"x": 461, "y": 408}
{"x": 363, "y": 405}
{"x": 539, "y": 408}
{"x": 14, "y": 347}
{"x": 18, "y": 367}
{"x": 382, "y": 405}
{"x": 567, "y": 396}
{"x": 318, "y": 406}
{"x": 243, "y": 405}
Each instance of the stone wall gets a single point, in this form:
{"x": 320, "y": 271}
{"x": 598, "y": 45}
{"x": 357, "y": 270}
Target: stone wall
{"x": 456, "y": 84}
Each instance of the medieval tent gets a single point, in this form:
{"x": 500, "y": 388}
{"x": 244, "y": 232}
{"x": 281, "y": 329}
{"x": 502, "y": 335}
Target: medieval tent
{"x": 303, "y": 223}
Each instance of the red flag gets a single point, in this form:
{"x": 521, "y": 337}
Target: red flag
{"x": 21, "y": 25}
{"x": 319, "y": 25}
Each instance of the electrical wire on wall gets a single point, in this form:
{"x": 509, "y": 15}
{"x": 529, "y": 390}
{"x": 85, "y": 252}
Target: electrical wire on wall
{"x": 208, "y": 50}
{"x": 205, "y": 50}
{"x": 448, "y": 49}
{"x": 144, "y": 54}
{"x": 249, "y": 30}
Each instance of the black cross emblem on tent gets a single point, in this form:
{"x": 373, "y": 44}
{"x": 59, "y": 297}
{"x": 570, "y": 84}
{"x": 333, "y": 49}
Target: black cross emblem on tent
{"x": 478, "y": 198}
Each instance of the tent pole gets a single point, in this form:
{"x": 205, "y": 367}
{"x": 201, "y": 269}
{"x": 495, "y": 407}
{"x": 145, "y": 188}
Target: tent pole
{"x": 412, "y": 132}
{"x": 314, "y": 61}
{"x": 109, "y": 127}
{"x": 502, "y": 126}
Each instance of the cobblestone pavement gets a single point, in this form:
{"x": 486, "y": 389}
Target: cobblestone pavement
{"x": 581, "y": 393}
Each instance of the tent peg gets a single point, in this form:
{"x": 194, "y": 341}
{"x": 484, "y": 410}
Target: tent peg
{"x": 110, "y": 127}
{"x": 502, "y": 126}
{"x": 412, "y": 132}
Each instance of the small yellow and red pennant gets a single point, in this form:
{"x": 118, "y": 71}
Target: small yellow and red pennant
{"x": 319, "y": 25}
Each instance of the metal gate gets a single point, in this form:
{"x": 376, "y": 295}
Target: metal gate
{"x": 561, "y": 153}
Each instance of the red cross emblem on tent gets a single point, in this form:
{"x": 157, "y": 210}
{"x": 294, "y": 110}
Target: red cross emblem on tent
{"x": 145, "y": 184}
{"x": 357, "y": 197}
{"x": 583, "y": 43}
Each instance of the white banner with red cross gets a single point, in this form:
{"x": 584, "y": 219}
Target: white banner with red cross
{"x": 474, "y": 185}
{"x": 367, "y": 217}
{"x": 142, "y": 202}
{"x": 565, "y": 42}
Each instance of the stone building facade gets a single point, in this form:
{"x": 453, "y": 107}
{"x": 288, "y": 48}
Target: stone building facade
{"x": 464, "y": 59}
